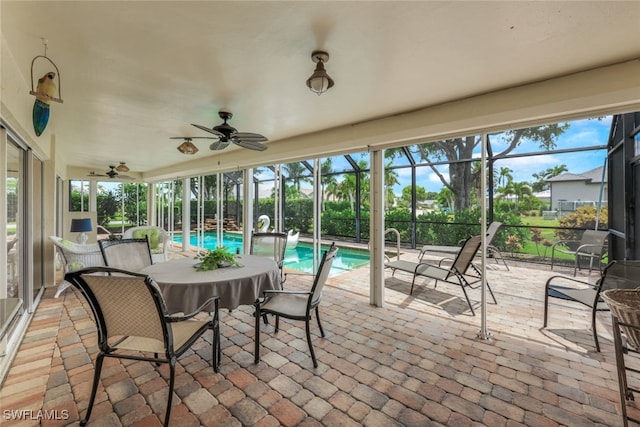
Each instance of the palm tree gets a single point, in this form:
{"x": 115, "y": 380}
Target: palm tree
{"x": 346, "y": 189}
{"x": 521, "y": 190}
{"x": 504, "y": 176}
{"x": 390, "y": 179}
{"x": 327, "y": 178}
{"x": 297, "y": 172}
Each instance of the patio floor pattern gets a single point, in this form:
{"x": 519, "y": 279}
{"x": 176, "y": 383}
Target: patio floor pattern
{"x": 416, "y": 362}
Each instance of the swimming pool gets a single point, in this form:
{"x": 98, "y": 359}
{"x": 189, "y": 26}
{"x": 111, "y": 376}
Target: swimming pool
{"x": 299, "y": 258}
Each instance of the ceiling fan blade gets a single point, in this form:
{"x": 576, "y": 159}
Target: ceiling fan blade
{"x": 206, "y": 129}
{"x": 219, "y": 145}
{"x": 251, "y": 145}
{"x": 248, "y": 136}
{"x": 192, "y": 137}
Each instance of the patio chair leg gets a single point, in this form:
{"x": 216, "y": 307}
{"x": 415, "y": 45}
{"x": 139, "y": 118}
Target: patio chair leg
{"x": 172, "y": 380}
{"x": 468, "y": 300}
{"x": 593, "y": 326}
{"x": 94, "y": 387}
{"x": 256, "y": 351}
{"x": 491, "y": 292}
{"x": 313, "y": 354}
{"x": 216, "y": 350}
{"x": 546, "y": 306}
{"x": 319, "y": 324}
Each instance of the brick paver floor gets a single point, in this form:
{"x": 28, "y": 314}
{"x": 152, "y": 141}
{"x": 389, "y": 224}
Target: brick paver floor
{"x": 416, "y": 362}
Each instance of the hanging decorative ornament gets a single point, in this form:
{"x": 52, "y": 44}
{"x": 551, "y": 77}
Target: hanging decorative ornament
{"x": 45, "y": 93}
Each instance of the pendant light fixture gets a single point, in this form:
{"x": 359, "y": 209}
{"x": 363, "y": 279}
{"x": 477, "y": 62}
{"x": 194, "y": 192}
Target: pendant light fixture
{"x": 319, "y": 82}
{"x": 122, "y": 167}
{"x": 187, "y": 147}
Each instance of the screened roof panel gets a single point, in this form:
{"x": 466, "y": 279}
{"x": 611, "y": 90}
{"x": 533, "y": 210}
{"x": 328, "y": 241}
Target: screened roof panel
{"x": 397, "y": 157}
{"x": 576, "y": 134}
{"x": 339, "y": 164}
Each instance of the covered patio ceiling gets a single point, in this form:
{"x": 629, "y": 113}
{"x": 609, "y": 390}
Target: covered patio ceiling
{"x": 134, "y": 74}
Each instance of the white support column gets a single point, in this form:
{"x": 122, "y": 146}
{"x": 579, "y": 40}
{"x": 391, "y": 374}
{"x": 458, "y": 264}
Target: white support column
{"x": 151, "y": 204}
{"x": 27, "y": 241}
{"x": 247, "y": 208}
{"x": 219, "y": 211}
{"x": 317, "y": 223}
{"x": 186, "y": 214}
{"x": 376, "y": 242}
{"x": 3, "y": 217}
{"x": 200, "y": 214}
{"x": 93, "y": 196}
{"x": 484, "y": 332}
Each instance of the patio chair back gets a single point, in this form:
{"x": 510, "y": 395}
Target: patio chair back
{"x": 593, "y": 242}
{"x": 126, "y": 254}
{"x": 492, "y": 231}
{"x": 466, "y": 254}
{"x": 272, "y": 245}
{"x": 129, "y": 305}
{"x": 322, "y": 275}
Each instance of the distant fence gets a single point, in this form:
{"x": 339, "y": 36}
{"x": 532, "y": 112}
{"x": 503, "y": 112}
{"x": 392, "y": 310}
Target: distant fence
{"x": 565, "y": 208}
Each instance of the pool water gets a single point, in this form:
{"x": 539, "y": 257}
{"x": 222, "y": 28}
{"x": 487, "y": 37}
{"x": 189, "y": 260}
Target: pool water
{"x": 299, "y": 258}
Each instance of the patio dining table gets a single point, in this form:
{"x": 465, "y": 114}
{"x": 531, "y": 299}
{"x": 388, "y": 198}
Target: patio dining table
{"x": 185, "y": 289}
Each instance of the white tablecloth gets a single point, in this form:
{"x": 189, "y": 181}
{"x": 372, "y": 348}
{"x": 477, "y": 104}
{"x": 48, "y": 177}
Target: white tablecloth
{"x": 185, "y": 289}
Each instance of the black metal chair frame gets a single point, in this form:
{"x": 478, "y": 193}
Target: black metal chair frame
{"x": 587, "y": 294}
{"x": 106, "y": 245}
{"x": 313, "y": 301}
{"x": 456, "y": 274}
{"x": 592, "y": 245}
{"x": 170, "y": 356}
{"x": 279, "y": 248}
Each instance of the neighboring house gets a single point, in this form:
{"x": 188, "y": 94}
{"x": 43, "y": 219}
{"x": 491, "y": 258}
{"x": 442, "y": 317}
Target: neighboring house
{"x": 544, "y": 196}
{"x": 569, "y": 191}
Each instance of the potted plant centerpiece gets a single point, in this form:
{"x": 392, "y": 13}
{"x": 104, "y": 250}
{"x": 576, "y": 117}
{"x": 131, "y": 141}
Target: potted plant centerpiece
{"x": 216, "y": 258}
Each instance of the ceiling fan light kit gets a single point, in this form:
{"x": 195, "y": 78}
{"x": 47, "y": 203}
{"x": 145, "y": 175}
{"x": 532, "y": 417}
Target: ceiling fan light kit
{"x": 122, "y": 167}
{"x": 111, "y": 173}
{"x": 187, "y": 147}
{"x": 320, "y": 82}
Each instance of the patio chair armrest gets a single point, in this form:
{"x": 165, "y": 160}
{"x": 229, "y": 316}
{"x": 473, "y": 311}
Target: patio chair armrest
{"x": 445, "y": 259}
{"x": 198, "y": 310}
{"x": 567, "y": 279}
{"x": 562, "y": 242}
{"x": 591, "y": 245}
{"x": 282, "y": 291}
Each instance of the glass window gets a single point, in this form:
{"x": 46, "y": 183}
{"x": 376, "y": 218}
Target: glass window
{"x": 78, "y": 196}
{"x": 15, "y": 168}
